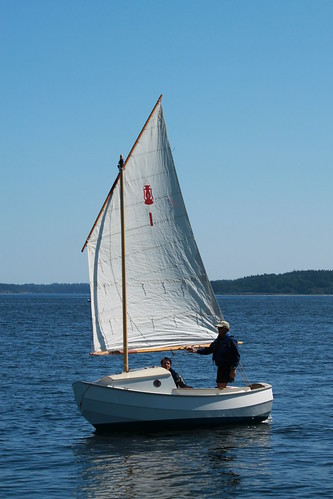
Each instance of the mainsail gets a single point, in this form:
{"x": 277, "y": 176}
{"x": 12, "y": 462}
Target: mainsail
{"x": 170, "y": 302}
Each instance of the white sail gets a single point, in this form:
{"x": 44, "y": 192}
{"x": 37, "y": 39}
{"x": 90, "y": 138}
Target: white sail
{"x": 170, "y": 301}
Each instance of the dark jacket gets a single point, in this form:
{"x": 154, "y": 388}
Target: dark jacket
{"x": 177, "y": 379}
{"x": 224, "y": 350}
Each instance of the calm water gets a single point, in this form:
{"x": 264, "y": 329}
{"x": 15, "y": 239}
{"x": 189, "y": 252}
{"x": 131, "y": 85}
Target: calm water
{"x": 48, "y": 450}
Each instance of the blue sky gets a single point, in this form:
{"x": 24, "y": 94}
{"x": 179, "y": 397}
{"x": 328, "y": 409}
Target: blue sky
{"x": 247, "y": 96}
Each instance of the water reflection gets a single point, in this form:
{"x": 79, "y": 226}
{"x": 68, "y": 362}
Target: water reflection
{"x": 203, "y": 462}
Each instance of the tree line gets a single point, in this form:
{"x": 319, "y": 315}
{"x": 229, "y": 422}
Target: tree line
{"x": 304, "y": 282}
{"x": 45, "y": 288}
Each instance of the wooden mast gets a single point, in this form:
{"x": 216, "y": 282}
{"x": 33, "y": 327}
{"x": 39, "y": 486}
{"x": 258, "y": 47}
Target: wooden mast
{"x": 123, "y": 263}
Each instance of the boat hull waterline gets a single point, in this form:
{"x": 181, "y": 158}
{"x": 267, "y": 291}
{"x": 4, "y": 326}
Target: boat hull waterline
{"x": 124, "y": 405}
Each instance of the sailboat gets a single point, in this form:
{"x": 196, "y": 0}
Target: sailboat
{"x": 150, "y": 293}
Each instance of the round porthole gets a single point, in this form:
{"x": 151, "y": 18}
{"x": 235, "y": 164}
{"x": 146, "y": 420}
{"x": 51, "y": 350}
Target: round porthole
{"x": 157, "y": 383}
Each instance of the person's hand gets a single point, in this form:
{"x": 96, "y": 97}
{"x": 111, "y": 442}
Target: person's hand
{"x": 191, "y": 349}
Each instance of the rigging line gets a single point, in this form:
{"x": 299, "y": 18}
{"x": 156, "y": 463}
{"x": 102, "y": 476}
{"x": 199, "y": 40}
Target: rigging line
{"x": 243, "y": 374}
{"x": 244, "y": 377}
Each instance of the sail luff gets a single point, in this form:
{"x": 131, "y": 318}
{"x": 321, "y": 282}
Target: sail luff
{"x": 118, "y": 176}
{"x": 99, "y": 214}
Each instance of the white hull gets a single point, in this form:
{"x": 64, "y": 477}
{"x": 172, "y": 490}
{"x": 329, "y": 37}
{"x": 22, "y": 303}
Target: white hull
{"x": 149, "y": 397}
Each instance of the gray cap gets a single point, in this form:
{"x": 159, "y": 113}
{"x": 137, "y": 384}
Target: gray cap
{"x": 224, "y": 324}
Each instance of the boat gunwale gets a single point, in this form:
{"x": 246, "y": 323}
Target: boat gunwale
{"x": 184, "y": 392}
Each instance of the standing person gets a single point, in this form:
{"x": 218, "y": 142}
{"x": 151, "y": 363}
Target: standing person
{"x": 180, "y": 383}
{"x": 225, "y": 354}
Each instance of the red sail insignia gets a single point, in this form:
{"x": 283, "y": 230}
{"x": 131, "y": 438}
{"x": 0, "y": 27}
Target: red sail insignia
{"x": 148, "y": 194}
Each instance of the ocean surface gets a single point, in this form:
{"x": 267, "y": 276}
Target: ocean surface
{"x": 48, "y": 450}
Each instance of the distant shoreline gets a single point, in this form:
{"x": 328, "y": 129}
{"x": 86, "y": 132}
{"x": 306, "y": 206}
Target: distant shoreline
{"x": 55, "y": 288}
{"x": 298, "y": 282}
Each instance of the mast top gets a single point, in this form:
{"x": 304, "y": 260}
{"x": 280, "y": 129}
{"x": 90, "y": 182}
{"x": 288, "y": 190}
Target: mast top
{"x": 121, "y": 162}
